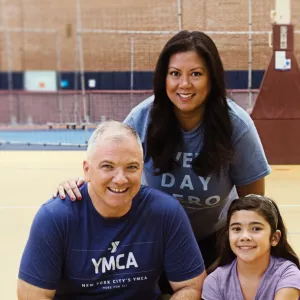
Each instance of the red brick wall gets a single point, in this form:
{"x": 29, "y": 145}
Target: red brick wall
{"x": 41, "y": 108}
{"x": 37, "y": 51}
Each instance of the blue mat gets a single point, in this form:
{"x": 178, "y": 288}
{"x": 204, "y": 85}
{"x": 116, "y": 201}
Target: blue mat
{"x": 52, "y": 139}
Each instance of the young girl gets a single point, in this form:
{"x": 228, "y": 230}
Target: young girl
{"x": 256, "y": 261}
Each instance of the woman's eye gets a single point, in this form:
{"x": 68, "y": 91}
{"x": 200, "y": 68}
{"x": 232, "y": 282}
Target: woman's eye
{"x": 196, "y": 74}
{"x": 174, "y": 73}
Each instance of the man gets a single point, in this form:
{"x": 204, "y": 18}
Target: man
{"x": 115, "y": 243}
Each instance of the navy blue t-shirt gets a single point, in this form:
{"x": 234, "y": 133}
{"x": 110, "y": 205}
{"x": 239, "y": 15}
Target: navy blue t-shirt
{"x": 74, "y": 250}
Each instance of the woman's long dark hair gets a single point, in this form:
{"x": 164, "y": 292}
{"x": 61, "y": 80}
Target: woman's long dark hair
{"x": 268, "y": 209}
{"x": 164, "y": 134}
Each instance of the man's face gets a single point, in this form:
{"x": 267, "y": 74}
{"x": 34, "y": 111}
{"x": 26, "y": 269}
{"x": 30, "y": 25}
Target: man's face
{"x": 114, "y": 172}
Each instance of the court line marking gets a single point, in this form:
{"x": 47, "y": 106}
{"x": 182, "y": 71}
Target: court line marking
{"x": 19, "y": 206}
{"x": 289, "y": 205}
{"x": 37, "y": 206}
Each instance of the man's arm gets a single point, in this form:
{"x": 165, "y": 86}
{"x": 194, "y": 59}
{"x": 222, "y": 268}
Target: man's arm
{"x": 189, "y": 289}
{"x": 42, "y": 259}
{"x": 183, "y": 262}
{"x": 28, "y": 291}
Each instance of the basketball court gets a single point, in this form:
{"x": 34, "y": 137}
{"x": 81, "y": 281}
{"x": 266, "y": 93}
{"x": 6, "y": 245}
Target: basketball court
{"x": 62, "y": 70}
{"x": 29, "y": 178}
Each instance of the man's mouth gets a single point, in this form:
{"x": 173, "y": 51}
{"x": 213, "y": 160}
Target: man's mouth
{"x": 118, "y": 191}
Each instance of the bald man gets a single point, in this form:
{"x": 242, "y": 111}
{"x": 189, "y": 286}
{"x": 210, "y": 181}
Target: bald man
{"x": 115, "y": 243}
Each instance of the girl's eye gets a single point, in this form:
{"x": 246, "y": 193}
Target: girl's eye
{"x": 256, "y": 229}
{"x": 196, "y": 74}
{"x": 236, "y": 229}
{"x": 174, "y": 73}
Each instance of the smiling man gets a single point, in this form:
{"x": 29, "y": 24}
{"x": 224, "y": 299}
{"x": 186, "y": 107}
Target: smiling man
{"x": 115, "y": 243}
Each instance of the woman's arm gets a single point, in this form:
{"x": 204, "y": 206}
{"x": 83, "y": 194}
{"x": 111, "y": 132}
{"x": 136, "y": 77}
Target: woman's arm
{"x": 71, "y": 187}
{"x": 257, "y": 187}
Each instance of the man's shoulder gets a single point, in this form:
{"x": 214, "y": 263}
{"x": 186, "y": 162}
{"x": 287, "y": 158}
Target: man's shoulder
{"x": 64, "y": 208}
{"x": 158, "y": 200}
{"x": 57, "y": 207}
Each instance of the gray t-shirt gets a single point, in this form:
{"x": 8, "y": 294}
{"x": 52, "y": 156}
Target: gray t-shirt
{"x": 205, "y": 199}
{"x": 223, "y": 283}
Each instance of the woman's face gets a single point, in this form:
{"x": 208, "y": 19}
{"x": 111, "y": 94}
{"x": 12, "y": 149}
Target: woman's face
{"x": 187, "y": 83}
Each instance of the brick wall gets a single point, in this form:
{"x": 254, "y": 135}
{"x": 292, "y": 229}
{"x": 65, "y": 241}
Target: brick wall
{"x": 111, "y": 52}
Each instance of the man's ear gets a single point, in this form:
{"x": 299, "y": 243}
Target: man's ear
{"x": 86, "y": 168}
{"x": 276, "y": 238}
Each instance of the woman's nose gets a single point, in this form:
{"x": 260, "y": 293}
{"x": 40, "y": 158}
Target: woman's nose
{"x": 185, "y": 81}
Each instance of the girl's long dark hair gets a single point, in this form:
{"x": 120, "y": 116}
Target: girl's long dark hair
{"x": 164, "y": 134}
{"x": 268, "y": 209}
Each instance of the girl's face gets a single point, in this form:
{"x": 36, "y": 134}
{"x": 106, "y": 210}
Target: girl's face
{"x": 250, "y": 236}
{"x": 187, "y": 83}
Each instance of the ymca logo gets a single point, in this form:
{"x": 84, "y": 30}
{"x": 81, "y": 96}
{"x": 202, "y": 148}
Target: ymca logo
{"x": 120, "y": 262}
{"x": 114, "y": 246}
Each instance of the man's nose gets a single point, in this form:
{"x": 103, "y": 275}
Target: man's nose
{"x": 120, "y": 177}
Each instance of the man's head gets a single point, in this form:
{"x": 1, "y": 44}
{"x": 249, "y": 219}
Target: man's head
{"x": 113, "y": 168}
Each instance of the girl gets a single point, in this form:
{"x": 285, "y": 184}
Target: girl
{"x": 256, "y": 260}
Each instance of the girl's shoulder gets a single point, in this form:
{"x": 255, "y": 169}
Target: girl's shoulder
{"x": 281, "y": 274}
{"x": 221, "y": 274}
{"x": 282, "y": 266}
{"x": 220, "y": 282}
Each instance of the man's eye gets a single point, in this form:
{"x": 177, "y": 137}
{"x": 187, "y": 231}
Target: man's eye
{"x": 107, "y": 166}
{"x": 132, "y": 167}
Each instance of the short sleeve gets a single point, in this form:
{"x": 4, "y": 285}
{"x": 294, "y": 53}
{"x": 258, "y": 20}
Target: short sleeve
{"x": 41, "y": 263}
{"x": 129, "y": 121}
{"x": 183, "y": 259}
{"x": 211, "y": 289}
{"x": 249, "y": 161}
{"x": 290, "y": 278}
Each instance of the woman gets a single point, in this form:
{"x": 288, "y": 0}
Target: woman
{"x": 199, "y": 146}
{"x": 256, "y": 260}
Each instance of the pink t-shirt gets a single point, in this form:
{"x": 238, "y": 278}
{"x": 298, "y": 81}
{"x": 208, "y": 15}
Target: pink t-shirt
{"x": 223, "y": 283}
